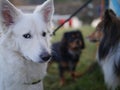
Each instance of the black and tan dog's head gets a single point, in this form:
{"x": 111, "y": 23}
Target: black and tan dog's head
{"x": 72, "y": 40}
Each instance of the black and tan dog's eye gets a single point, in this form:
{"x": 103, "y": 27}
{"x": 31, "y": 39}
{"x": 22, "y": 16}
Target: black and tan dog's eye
{"x": 27, "y": 36}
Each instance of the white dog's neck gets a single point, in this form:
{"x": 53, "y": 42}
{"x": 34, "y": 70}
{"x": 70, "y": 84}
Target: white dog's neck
{"x": 18, "y": 70}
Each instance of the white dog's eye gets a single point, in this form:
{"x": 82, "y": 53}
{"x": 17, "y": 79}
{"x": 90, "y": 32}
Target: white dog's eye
{"x": 27, "y": 36}
{"x": 44, "y": 34}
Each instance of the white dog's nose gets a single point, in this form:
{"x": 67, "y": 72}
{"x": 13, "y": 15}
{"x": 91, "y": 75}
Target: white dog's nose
{"x": 45, "y": 56}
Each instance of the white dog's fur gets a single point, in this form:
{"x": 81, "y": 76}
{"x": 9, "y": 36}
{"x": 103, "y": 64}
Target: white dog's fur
{"x": 20, "y": 61}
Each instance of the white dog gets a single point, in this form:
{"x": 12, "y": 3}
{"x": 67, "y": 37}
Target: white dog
{"x": 25, "y": 46}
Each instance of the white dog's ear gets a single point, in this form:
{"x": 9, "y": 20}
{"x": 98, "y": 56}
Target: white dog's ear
{"x": 8, "y": 13}
{"x": 46, "y": 10}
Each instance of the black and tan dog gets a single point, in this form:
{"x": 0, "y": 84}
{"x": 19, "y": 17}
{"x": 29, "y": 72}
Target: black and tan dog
{"x": 67, "y": 52}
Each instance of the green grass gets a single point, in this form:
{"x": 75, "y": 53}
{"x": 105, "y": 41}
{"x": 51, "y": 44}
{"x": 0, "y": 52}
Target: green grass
{"x": 91, "y": 80}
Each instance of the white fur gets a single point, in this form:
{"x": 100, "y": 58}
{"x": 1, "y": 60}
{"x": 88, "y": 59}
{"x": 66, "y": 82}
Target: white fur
{"x": 111, "y": 80}
{"x": 20, "y": 61}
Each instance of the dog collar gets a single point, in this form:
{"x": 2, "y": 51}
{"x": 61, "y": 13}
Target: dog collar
{"x": 33, "y": 83}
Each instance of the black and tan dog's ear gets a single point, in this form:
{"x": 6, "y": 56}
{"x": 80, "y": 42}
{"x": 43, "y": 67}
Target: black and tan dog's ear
{"x": 64, "y": 43}
{"x": 64, "y": 39}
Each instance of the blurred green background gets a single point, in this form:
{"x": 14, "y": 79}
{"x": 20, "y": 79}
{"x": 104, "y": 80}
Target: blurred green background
{"x": 91, "y": 79}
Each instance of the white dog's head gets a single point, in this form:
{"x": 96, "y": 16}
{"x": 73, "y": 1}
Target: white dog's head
{"x": 27, "y": 34}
